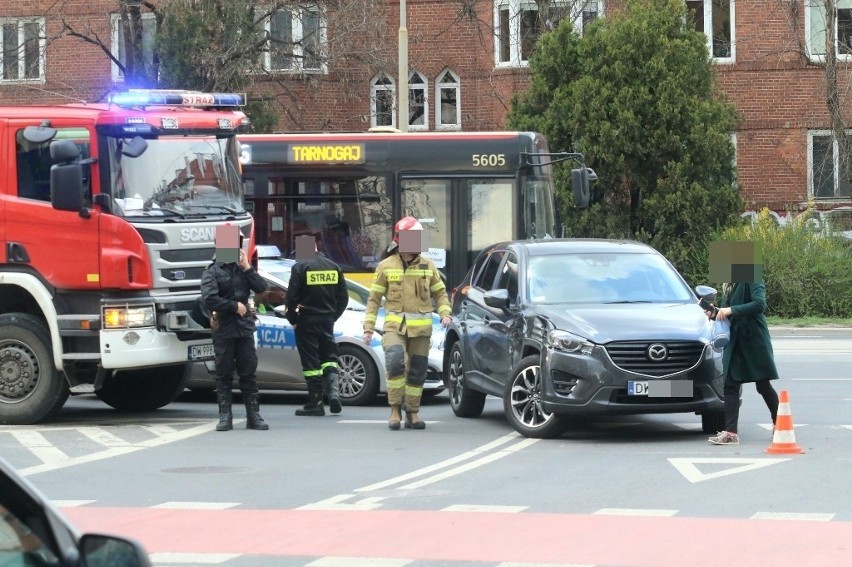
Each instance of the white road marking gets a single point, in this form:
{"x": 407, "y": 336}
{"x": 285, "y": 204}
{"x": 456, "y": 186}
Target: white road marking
{"x": 443, "y": 464}
{"x": 358, "y": 562}
{"x": 103, "y": 437}
{"x": 195, "y": 558}
{"x": 511, "y": 564}
{"x": 196, "y": 505}
{"x": 52, "y": 458}
{"x": 71, "y": 503}
{"x": 160, "y": 430}
{"x": 483, "y": 508}
{"x": 338, "y": 502}
{"x": 686, "y": 466}
{"x": 471, "y": 465}
{"x": 792, "y": 516}
{"x": 649, "y": 512}
{"x": 823, "y": 379}
{"x": 39, "y": 446}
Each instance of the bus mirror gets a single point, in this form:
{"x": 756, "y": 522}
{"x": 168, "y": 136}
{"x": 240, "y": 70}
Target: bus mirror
{"x": 580, "y": 187}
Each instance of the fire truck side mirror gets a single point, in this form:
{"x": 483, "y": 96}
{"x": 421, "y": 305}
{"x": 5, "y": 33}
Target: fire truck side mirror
{"x": 66, "y": 176}
{"x": 580, "y": 187}
{"x": 39, "y": 134}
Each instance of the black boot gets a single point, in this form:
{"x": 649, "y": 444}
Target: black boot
{"x": 314, "y": 406}
{"x": 226, "y": 418}
{"x": 331, "y": 390}
{"x": 253, "y": 419}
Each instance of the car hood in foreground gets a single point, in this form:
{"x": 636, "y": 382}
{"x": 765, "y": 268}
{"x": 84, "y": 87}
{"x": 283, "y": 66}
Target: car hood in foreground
{"x": 629, "y": 322}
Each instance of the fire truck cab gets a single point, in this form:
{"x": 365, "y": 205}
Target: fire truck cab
{"x": 107, "y": 220}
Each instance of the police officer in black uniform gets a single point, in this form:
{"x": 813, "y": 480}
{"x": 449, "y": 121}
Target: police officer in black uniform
{"x": 316, "y": 298}
{"x": 225, "y": 287}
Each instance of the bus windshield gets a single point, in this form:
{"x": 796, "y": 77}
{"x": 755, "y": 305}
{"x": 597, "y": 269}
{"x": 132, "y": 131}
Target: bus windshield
{"x": 179, "y": 176}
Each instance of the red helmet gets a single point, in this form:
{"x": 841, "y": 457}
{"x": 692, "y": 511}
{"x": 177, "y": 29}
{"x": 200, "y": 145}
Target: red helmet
{"x": 405, "y": 223}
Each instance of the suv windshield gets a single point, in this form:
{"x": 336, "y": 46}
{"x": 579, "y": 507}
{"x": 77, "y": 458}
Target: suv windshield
{"x": 605, "y": 278}
{"x": 179, "y": 176}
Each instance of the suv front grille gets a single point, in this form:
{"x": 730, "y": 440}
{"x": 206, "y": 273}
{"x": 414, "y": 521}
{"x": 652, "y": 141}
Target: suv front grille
{"x": 636, "y": 356}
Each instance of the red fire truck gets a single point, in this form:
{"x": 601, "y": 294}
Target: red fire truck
{"x": 107, "y": 219}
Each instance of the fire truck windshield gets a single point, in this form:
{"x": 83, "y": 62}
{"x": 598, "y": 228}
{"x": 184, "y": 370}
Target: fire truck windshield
{"x": 175, "y": 176}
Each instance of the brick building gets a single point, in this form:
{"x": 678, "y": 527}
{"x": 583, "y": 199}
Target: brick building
{"x": 466, "y": 59}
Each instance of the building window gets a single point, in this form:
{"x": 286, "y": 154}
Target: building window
{"x": 418, "y": 104}
{"x": 829, "y": 175}
{"x": 448, "y": 95}
{"x": 816, "y": 22}
{"x": 715, "y": 19}
{"x": 23, "y": 47}
{"x": 518, "y": 24}
{"x": 119, "y": 51}
{"x": 382, "y": 102}
{"x": 296, "y": 41}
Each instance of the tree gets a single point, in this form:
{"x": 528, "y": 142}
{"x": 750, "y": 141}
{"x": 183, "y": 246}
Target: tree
{"x": 635, "y": 94}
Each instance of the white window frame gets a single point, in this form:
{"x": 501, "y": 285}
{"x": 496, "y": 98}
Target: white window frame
{"x": 423, "y": 87}
{"x": 297, "y": 32}
{"x": 835, "y": 166}
{"x": 708, "y": 31}
{"x": 815, "y": 24}
{"x": 115, "y": 26}
{"x": 42, "y": 44}
{"x": 441, "y": 84}
{"x": 388, "y": 85}
{"x": 515, "y": 7}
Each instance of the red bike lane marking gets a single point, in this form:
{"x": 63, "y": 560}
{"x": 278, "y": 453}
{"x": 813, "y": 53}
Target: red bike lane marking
{"x": 480, "y": 536}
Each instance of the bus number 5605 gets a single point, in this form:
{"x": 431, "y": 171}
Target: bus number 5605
{"x": 488, "y": 160}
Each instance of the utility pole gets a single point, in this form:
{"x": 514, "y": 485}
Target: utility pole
{"x": 403, "y": 69}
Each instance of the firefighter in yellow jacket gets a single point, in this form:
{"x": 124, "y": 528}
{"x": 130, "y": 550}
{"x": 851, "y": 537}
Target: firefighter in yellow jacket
{"x": 409, "y": 283}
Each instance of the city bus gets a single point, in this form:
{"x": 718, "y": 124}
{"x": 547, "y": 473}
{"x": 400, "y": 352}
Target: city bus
{"x": 467, "y": 189}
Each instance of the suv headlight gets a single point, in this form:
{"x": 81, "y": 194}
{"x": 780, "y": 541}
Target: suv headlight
{"x": 568, "y": 342}
{"x": 127, "y": 317}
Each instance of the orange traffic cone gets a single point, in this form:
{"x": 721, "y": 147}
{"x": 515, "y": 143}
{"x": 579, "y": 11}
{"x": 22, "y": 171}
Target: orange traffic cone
{"x": 784, "y": 439}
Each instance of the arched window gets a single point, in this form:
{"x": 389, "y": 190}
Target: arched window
{"x": 418, "y": 102}
{"x": 382, "y": 102}
{"x": 448, "y": 105}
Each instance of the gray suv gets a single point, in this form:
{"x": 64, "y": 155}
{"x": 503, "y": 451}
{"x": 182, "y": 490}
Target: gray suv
{"x": 567, "y": 327}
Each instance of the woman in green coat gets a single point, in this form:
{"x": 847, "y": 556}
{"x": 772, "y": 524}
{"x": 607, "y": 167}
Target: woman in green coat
{"x": 748, "y": 357}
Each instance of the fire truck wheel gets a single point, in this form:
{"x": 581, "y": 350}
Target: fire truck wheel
{"x": 144, "y": 389}
{"x": 30, "y": 387}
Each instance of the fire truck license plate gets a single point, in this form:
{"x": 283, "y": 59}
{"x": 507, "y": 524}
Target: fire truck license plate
{"x": 201, "y": 352}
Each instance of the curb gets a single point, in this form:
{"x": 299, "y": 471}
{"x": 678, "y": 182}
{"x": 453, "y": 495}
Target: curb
{"x": 811, "y": 331}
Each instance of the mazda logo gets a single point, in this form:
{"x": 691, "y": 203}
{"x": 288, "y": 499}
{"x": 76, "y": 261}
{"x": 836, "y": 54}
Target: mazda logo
{"x": 657, "y": 352}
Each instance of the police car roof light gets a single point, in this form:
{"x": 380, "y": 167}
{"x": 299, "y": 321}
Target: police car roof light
{"x": 194, "y": 99}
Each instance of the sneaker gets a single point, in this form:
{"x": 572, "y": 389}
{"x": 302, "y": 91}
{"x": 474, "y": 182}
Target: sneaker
{"x": 725, "y": 438}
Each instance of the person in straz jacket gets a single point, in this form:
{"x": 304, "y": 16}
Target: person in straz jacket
{"x": 226, "y": 287}
{"x": 316, "y": 298}
{"x": 748, "y": 357}
{"x": 409, "y": 283}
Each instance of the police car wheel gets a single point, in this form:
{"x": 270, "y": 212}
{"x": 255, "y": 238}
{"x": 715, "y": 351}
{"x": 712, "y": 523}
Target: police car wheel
{"x": 359, "y": 378}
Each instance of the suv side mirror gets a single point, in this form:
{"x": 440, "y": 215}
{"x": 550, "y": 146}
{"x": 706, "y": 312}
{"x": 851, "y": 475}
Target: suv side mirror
{"x": 706, "y": 292}
{"x": 497, "y": 298}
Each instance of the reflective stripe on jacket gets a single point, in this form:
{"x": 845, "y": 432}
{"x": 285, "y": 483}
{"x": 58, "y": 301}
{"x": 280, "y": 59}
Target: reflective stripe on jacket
{"x": 408, "y": 294}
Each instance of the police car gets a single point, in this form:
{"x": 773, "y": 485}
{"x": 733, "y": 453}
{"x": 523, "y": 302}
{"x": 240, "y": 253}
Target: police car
{"x": 362, "y": 367}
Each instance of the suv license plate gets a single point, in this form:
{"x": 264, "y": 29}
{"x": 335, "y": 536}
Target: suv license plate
{"x": 201, "y": 352}
{"x": 660, "y": 388}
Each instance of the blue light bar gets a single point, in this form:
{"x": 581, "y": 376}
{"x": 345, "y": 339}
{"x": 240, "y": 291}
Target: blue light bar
{"x": 141, "y": 97}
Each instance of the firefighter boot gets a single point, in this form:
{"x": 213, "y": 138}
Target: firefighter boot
{"x": 331, "y": 389}
{"x": 394, "y": 419}
{"x": 226, "y": 417}
{"x": 314, "y": 406}
{"x": 412, "y": 411}
{"x": 253, "y": 419}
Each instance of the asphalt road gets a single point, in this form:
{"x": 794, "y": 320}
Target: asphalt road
{"x": 344, "y": 490}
